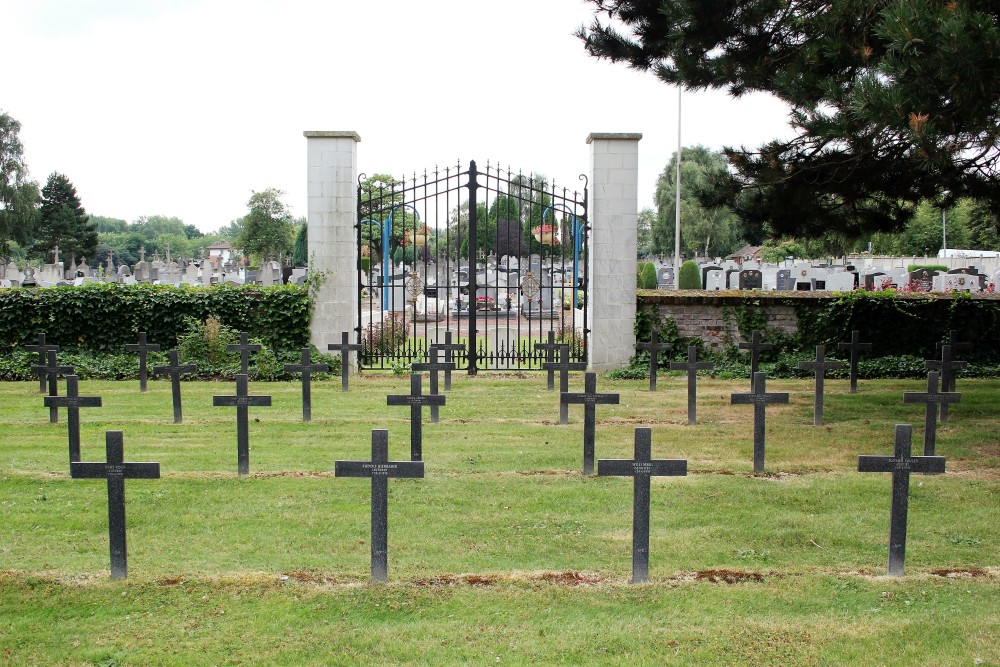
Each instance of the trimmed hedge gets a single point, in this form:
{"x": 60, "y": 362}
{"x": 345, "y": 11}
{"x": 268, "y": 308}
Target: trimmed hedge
{"x": 103, "y": 317}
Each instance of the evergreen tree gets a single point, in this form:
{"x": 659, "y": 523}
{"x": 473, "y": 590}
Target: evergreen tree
{"x": 300, "y": 253}
{"x": 63, "y": 222}
{"x": 893, "y": 101}
{"x": 18, "y": 193}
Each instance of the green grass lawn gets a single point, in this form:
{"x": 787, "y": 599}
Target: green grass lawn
{"x": 504, "y": 553}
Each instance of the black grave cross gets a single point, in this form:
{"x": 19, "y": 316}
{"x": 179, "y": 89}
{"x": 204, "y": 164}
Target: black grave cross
{"x": 855, "y": 348}
{"x": 142, "y": 348}
{"x": 654, "y": 346}
{"x": 51, "y": 372}
{"x": 640, "y": 469}
{"x": 759, "y": 398}
{"x": 116, "y": 471}
{"x": 551, "y": 348}
{"x": 42, "y": 349}
{"x": 901, "y": 464}
{"x": 73, "y": 402}
{"x": 244, "y": 348}
{"x": 306, "y": 368}
{"x": 756, "y": 347}
{"x": 953, "y": 341}
{"x": 947, "y": 367}
{"x": 819, "y": 367}
{"x": 564, "y": 367}
{"x": 175, "y": 370}
{"x": 590, "y": 399}
{"x": 345, "y": 349}
{"x": 932, "y": 398}
{"x": 432, "y": 367}
{"x": 692, "y": 366}
{"x": 448, "y": 348}
{"x": 379, "y": 469}
{"x": 416, "y": 400}
{"x": 242, "y": 400}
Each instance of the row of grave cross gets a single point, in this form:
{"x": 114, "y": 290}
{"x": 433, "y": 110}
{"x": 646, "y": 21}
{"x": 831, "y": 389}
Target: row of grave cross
{"x": 641, "y": 467}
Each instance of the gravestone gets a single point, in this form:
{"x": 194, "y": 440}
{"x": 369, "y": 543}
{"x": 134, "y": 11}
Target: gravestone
{"x": 307, "y": 368}
{"x": 705, "y": 270}
{"x": 380, "y": 469}
{"x": 564, "y": 367}
{"x": 654, "y": 346}
{"x": 175, "y": 370}
{"x": 142, "y": 348}
{"x": 784, "y": 281}
{"x": 242, "y": 400}
{"x": 551, "y": 348}
{"x": 433, "y": 367}
{"x": 640, "y": 468}
{"x": 819, "y": 367}
{"x": 692, "y": 366}
{"x": 756, "y": 347}
{"x": 73, "y": 402}
{"x": 901, "y": 464}
{"x": 416, "y": 400}
{"x": 590, "y": 399}
{"x": 751, "y": 279}
{"x": 345, "y": 349}
{"x": 244, "y": 348}
{"x": 932, "y": 398}
{"x": 922, "y": 278}
{"x": 116, "y": 471}
{"x": 42, "y": 349}
{"x": 51, "y": 372}
{"x": 449, "y": 348}
{"x": 759, "y": 398}
{"x": 947, "y": 367}
{"x": 854, "y": 349}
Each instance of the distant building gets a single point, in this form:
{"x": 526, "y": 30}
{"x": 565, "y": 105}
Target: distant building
{"x": 748, "y": 253}
{"x": 221, "y": 250}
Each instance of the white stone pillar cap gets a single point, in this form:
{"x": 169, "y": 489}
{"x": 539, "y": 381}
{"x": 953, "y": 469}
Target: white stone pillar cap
{"x": 332, "y": 134}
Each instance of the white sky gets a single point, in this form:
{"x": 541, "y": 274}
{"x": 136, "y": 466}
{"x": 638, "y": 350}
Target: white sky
{"x": 183, "y": 107}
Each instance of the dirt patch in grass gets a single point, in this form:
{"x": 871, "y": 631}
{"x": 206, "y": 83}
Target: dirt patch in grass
{"x": 561, "y": 578}
{"x": 960, "y": 573}
{"x": 727, "y": 576}
{"x": 532, "y": 473}
{"x": 640, "y": 421}
{"x": 309, "y": 577}
{"x": 170, "y": 581}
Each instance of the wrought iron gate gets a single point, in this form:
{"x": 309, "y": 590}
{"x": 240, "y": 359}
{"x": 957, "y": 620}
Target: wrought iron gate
{"x": 496, "y": 259}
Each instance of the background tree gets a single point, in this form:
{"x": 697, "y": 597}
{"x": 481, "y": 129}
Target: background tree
{"x": 63, "y": 222}
{"x": 300, "y": 252}
{"x": 267, "y": 228}
{"x": 893, "y": 101}
{"x": 644, "y": 228}
{"x": 706, "y": 230}
{"x": 18, "y": 193}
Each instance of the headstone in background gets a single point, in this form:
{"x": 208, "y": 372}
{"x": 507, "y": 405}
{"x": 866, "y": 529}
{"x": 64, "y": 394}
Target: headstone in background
{"x": 932, "y": 398}
{"x": 345, "y": 348}
{"x": 174, "y": 369}
{"x": 51, "y": 372}
{"x": 756, "y": 346}
{"x": 416, "y": 399}
{"x": 759, "y": 398}
{"x": 947, "y": 367}
{"x": 819, "y": 367}
{"x": 901, "y": 464}
{"x": 244, "y": 348}
{"x": 42, "y": 349}
{"x": 142, "y": 348}
{"x": 449, "y": 348}
{"x": 564, "y": 367}
{"x": 116, "y": 471}
{"x": 242, "y": 401}
{"x": 551, "y": 348}
{"x": 590, "y": 400}
{"x": 306, "y": 368}
{"x": 751, "y": 279}
{"x": 692, "y": 366}
{"x": 854, "y": 349}
{"x": 73, "y": 402}
{"x": 654, "y": 346}
{"x": 434, "y": 367}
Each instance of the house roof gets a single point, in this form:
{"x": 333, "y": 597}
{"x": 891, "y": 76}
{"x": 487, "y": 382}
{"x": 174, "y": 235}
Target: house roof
{"x": 745, "y": 251}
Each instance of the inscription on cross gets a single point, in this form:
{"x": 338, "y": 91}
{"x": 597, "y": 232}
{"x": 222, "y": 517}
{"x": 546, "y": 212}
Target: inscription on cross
{"x": 692, "y": 366}
{"x": 379, "y": 469}
{"x": 433, "y": 367}
{"x": 416, "y": 400}
{"x": 901, "y": 464}
{"x": 759, "y": 398}
{"x": 654, "y": 346}
{"x": 116, "y": 471}
{"x": 947, "y": 367}
{"x": 640, "y": 468}
{"x": 306, "y": 368}
{"x": 819, "y": 367}
{"x": 51, "y": 372}
{"x": 551, "y": 349}
{"x": 73, "y": 402}
{"x": 756, "y": 346}
{"x": 590, "y": 400}
{"x": 854, "y": 348}
{"x": 932, "y": 398}
{"x": 564, "y": 367}
{"x": 142, "y": 348}
{"x": 449, "y": 348}
{"x": 345, "y": 349}
{"x": 244, "y": 348}
{"x": 42, "y": 349}
{"x": 242, "y": 401}
{"x": 175, "y": 370}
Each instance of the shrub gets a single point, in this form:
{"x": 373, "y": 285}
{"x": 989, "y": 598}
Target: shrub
{"x": 933, "y": 267}
{"x": 648, "y": 276}
{"x": 689, "y": 276}
{"x": 383, "y": 337}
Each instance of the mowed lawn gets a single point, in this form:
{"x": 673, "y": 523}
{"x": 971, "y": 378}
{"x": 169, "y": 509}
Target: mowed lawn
{"x": 504, "y": 553}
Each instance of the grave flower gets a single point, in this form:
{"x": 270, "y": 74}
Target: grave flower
{"x": 416, "y": 236}
{"x": 484, "y": 303}
{"x": 546, "y": 234}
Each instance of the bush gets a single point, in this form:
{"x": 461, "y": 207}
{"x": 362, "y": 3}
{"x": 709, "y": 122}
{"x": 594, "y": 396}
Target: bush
{"x": 689, "y": 276}
{"x": 933, "y": 267}
{"x": 383, "y": 337}
{"x": 647, "y": 279}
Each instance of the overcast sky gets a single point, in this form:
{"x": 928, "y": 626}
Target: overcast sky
{"x": 184, "y": 107}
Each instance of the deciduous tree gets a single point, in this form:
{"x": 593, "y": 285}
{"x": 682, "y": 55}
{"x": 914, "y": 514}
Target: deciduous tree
{"x": 18, "y": 193}
{"x": 267, "y": 228}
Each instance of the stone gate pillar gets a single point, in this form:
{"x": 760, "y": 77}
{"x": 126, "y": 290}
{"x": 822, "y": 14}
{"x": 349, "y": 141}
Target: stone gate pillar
{"x": 332, "y": 163}
{"x": 612, "y": 211}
